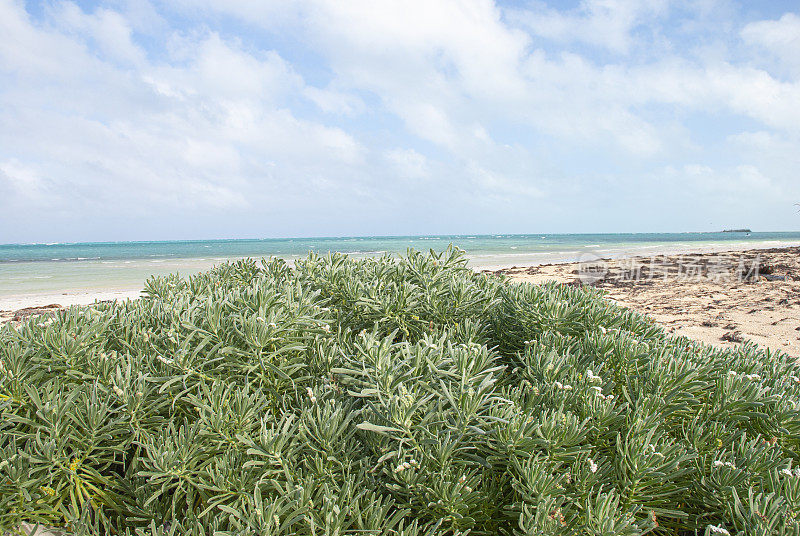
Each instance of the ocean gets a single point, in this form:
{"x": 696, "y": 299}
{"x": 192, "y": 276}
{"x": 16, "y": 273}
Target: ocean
{"x": 54, "y": 268}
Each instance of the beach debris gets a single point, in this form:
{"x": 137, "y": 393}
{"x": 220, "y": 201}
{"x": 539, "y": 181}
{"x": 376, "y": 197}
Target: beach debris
{"x": 732, "y": 336}
{"x": 27, "y": 312}
{"x": 765, "y": 269}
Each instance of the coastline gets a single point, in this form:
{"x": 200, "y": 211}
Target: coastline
{"x": 588, "y": 253}
{"x": 718, "y": 312}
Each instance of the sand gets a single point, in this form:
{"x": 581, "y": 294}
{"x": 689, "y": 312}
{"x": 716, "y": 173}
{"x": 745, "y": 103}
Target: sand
{"x": 717, "y": 298}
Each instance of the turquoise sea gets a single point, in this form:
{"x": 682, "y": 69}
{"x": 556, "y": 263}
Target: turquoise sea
{"x": 50, "y": 268}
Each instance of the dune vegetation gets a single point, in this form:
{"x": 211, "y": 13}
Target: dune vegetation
{"x": 388, "y": 396}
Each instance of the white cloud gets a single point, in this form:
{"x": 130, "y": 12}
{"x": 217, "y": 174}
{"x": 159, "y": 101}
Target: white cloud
{"x": 204, "y": 128}
{"x": 21, "y": 180}
{"x": 212, "y": 69}
{"x": 439, "y": 65}
{"x": 333, "y": 101}
{"x": 605, "y": 23}
{"x": 409, "y": 163}
{"x": 494, "y": 184}
{"x": 735, "y": 181}
{"x": 153, "y": 112}
{"x": 108, "y": 30}
{"x": 779, "y": 37}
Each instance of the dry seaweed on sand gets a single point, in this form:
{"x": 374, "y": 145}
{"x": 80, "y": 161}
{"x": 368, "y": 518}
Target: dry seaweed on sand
{"x": 388, "y": 396}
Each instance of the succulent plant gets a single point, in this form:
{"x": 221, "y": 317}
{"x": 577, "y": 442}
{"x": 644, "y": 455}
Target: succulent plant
{"x": 397, "y": 396}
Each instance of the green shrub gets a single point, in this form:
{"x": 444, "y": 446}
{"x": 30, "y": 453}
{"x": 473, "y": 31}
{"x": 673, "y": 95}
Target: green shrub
{"x": 388, "y": 396}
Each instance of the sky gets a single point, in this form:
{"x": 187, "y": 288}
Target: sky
{"x": 150, "y": 120}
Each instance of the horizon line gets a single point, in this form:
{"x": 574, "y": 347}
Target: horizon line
{"x": 343, "y": 237}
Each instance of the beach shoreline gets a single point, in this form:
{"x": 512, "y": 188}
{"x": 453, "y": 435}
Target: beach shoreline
{"x": 765, "y": 310}
{"x": 589, "y": 254}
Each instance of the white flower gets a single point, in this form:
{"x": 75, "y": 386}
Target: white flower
{"x": 731, "y": 373}
{"x": 718, "y": 530}
{"x": 592, "y": 466}
{"x": 165, "y": 360}
{"x": 326, "y": 328}
{"x": 753, "y": 377}
{"x": 787, "y": 472}
{"x": 402, "y": 467}
{"x": 592, "y": 377}
{"x": 311, "y": 396}
{"x": 719, "y": 463}
{"x": 602, "y": 330}
{"x": 599, "y": 392}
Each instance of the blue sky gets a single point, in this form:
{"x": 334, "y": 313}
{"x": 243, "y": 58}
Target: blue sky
{"x": 130, "y": 120}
